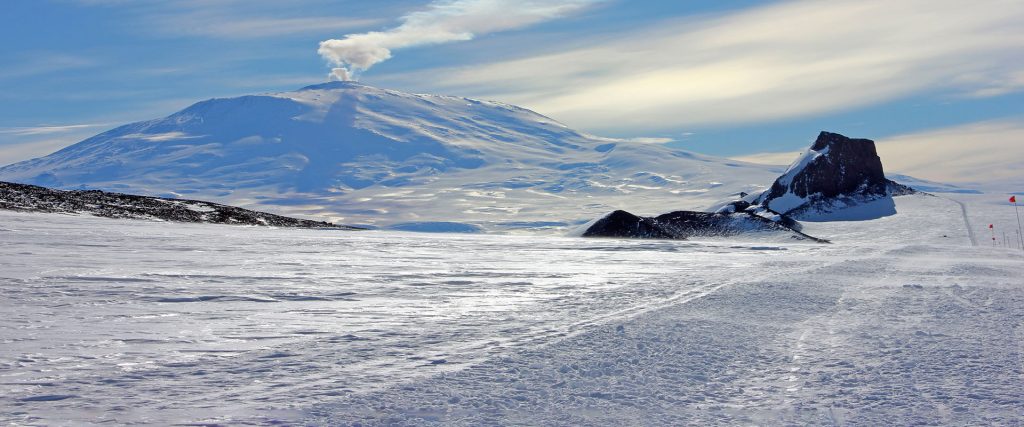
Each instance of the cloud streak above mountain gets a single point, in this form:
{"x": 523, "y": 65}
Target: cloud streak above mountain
{"x": 784, "y": 60}
{"x": 987, "y": 153}
{"x": 443, "y": 21}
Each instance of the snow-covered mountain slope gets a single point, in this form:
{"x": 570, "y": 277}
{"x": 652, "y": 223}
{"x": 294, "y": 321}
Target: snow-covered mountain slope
{"x": 356, "y": 154}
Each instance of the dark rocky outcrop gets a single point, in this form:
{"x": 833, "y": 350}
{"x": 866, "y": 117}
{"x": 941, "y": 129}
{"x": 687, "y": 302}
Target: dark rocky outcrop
{"x": 32, "y": 198}
{"x": 683, "y": 225}
{"x": 624, "y": 224}
{"x": 836, "y": 173}
{"x": 834, "y": 166}
{"x": 838, "y": 178}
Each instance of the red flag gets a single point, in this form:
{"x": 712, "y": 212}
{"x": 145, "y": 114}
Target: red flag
{"x": 990, "y": 226}
{"x": 1013, "y": 199}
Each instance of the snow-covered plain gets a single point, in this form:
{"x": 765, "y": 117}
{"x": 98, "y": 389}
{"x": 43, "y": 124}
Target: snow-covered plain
{"x": 900, "y": 321}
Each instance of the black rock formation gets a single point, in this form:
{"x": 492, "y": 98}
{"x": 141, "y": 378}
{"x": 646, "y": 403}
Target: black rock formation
{"x": 838, "y": 178}
{"x": 835, "y": 174}
{"x": 683, "y": 225}
{"x": 31, "y": 198}
{"x": 624, "y": 224}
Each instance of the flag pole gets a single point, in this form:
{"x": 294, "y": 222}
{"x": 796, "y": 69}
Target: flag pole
{"x": 1017, "y": 211}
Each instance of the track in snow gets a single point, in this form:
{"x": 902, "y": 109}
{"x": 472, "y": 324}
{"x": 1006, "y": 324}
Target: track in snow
{"x": 118, "y": 314}
{"x": 898, "y": 335}
{"x": 134, "y": 322}
{"x": 967, "y": 222}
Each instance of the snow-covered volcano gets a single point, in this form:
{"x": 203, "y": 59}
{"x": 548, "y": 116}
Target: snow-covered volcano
{"x": 359, "y": 154}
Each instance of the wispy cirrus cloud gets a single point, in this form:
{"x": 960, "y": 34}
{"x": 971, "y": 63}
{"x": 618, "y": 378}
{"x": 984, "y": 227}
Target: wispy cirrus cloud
{"x": 47, "y": 130}
{"x": 443, "y": 21}
{"x": 13, "y": 153}
{"x": 988, "y": 154}
{"x": 204, "y": 24}
{"x": 780, "y": 158}
{"x": 32, "y": 64}
{"x": 238, "y": 19}
{"x": 784, "y": 60}
{"x": 23, "y": 143}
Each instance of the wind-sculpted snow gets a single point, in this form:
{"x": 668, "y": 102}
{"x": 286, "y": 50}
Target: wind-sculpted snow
{"x": 130, "y": 322}
{"x": 351, "y": 153}
{"x": 150, "y": 322}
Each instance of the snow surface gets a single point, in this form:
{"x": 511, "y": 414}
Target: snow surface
{"x": 355, "y": 154}
{"x": 900, "y": 321}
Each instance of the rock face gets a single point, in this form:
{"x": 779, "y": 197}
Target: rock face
{"x": 31, "y": 198}
{"x": 683, "y": 225}
{"x": 838, "y": 178}
{"x": 624, "y": 224}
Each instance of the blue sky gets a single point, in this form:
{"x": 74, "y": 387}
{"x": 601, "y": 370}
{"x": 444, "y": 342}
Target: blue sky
{"x": 732, "y": 78}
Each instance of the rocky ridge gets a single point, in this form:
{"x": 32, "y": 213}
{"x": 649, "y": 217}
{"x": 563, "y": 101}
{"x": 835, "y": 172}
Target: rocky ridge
{"x": 32, "y": 198}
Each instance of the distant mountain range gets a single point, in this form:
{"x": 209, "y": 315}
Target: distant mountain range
{"x": 352, "y": 153}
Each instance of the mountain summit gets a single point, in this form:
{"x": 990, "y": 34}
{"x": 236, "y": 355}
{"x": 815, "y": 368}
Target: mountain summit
{"x": 353, "y": 153}
{"x": 336, "y": 136}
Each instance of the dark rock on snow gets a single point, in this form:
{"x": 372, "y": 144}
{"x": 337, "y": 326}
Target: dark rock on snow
{"x": 690, "y": 224}
{"x": 836, "y": 173}
{"x": 624, "y": 224}
{"x": 31, "y": 198}
{"x": 838, "y": 178}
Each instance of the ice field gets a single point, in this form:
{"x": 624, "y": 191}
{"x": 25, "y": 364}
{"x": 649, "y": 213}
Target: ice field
{"x": 899, "y": 321}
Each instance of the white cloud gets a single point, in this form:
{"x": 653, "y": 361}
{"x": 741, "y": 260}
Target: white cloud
{"x": 778, "y": 159}
{"x": 443, "y": 21}
{"x": 784, "y": 60}
{"x": 46, "y": 130}
{"x": 37, "y": 63}
{"x": 988, "y": 154}
{"x": 237, "y": 19}
{"x": 219, "y": 26}
{"x": 12, "y": 153}
{"x": 23, "y": 143}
